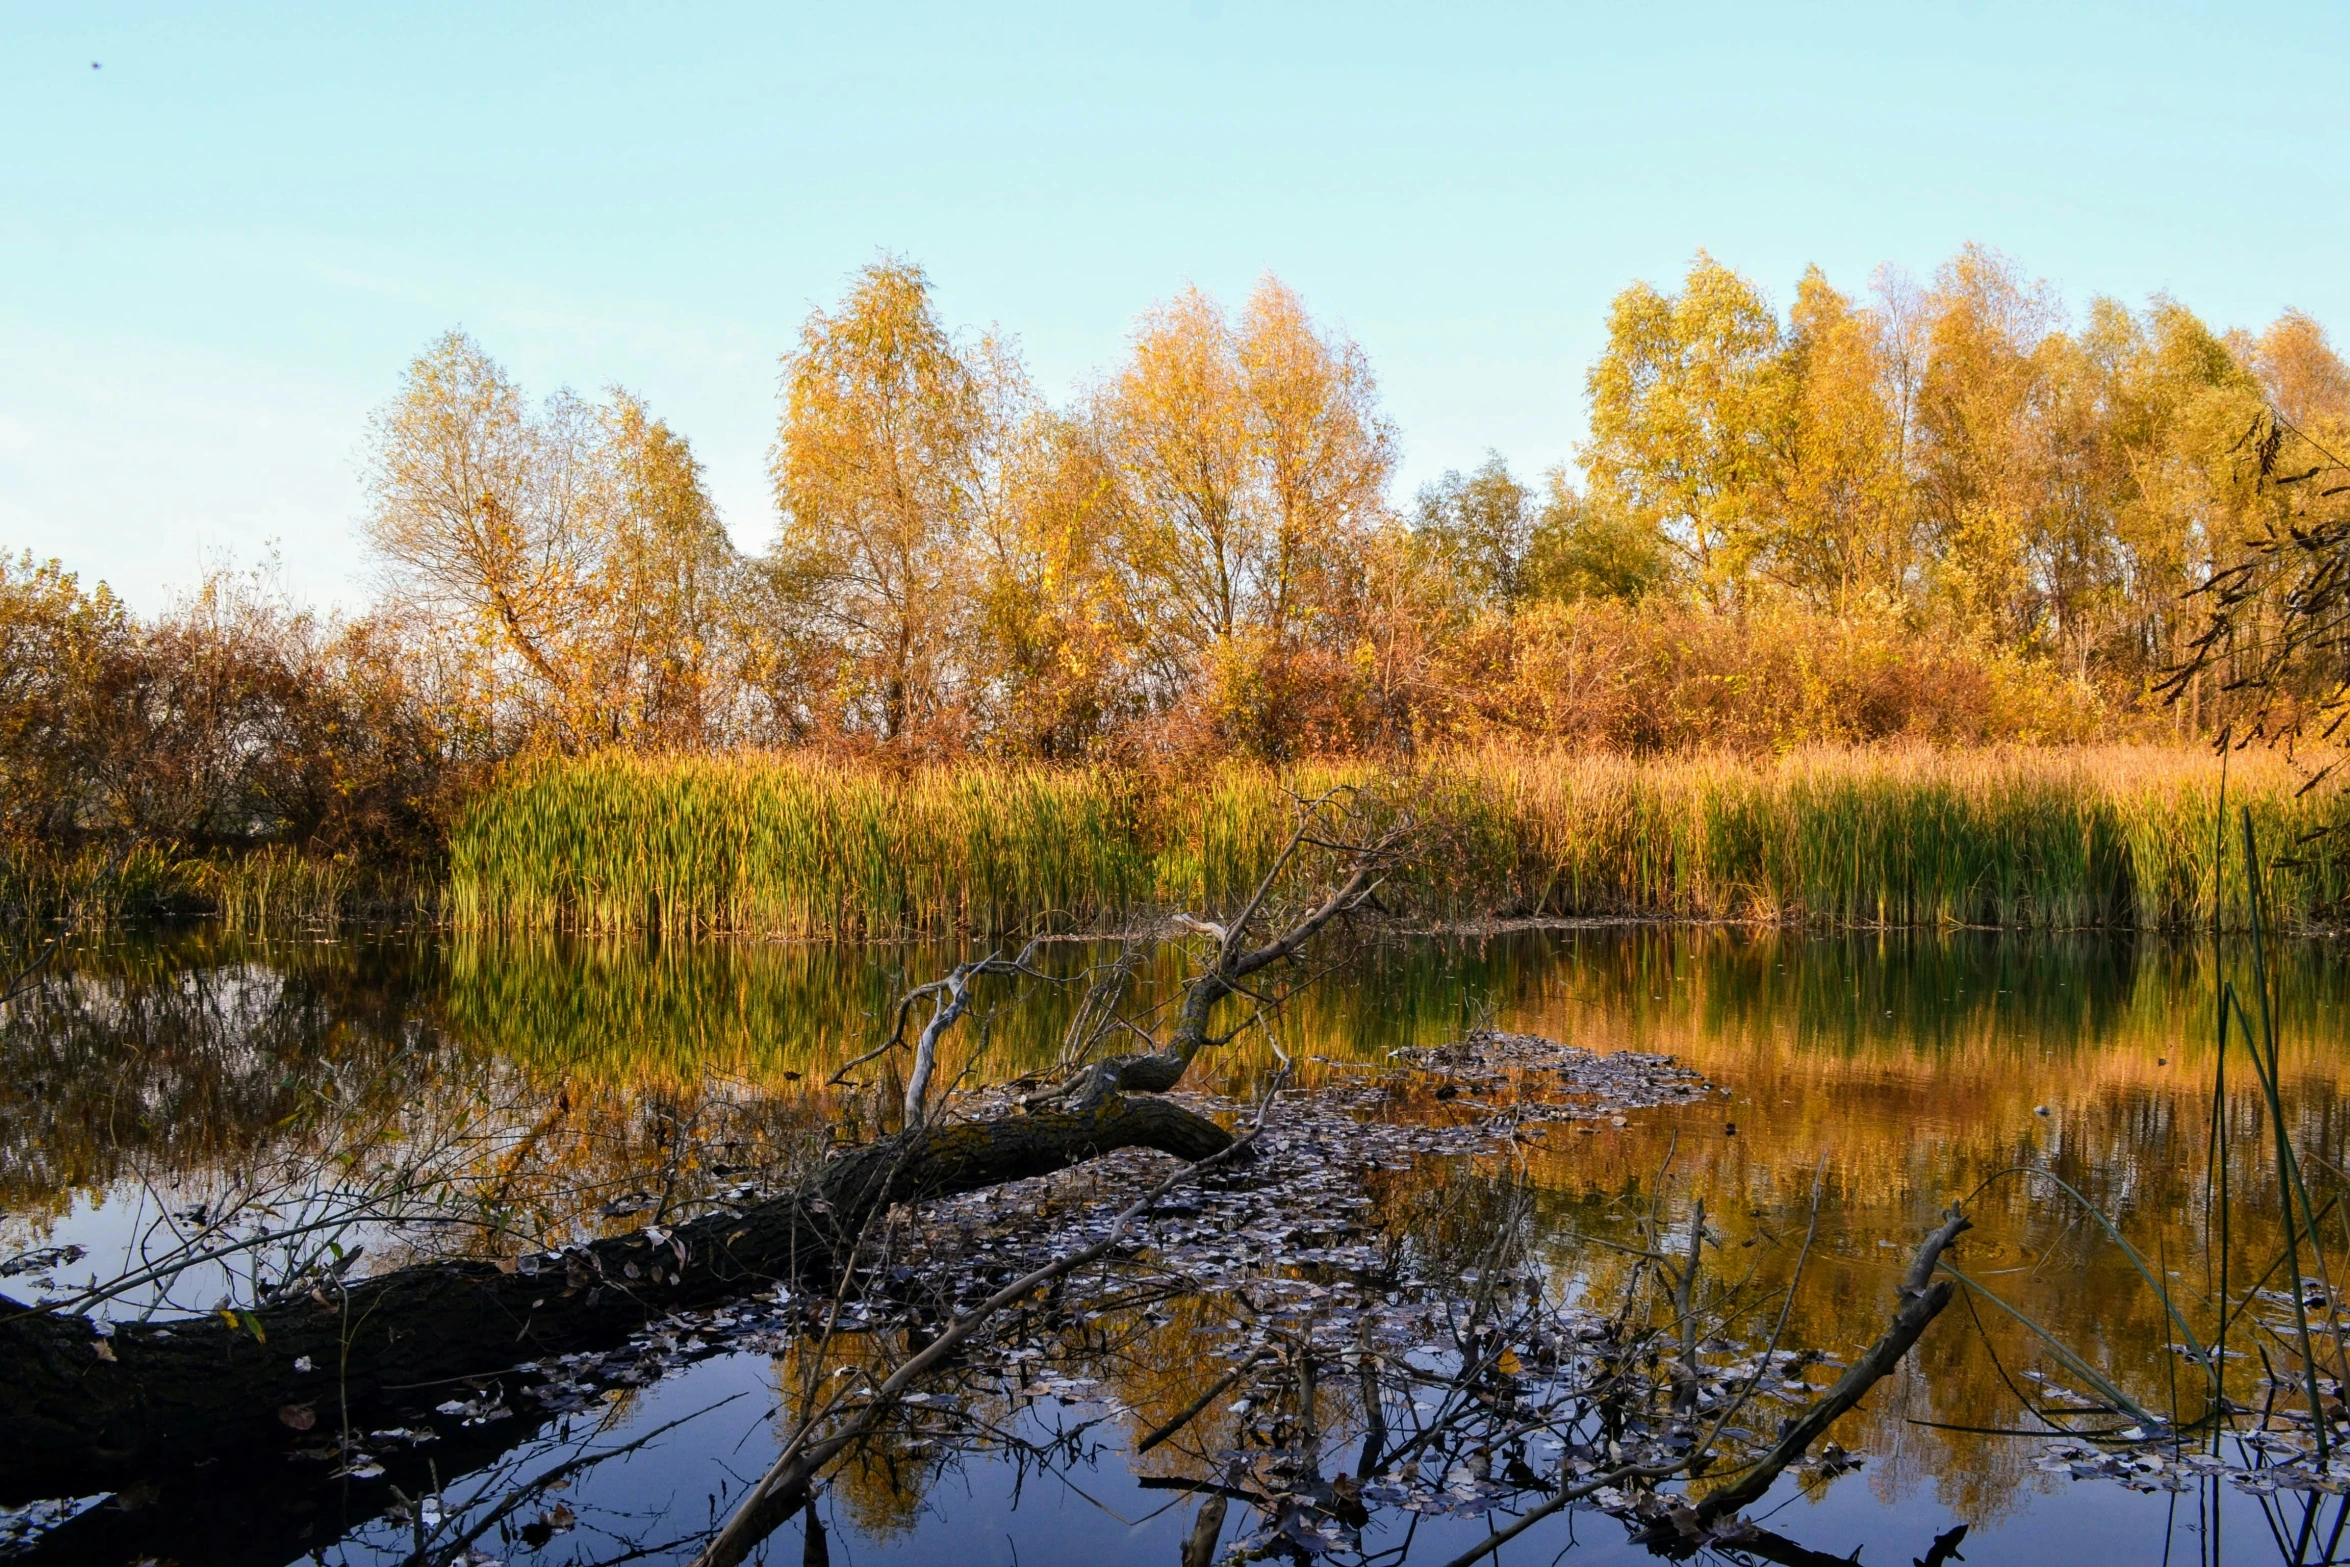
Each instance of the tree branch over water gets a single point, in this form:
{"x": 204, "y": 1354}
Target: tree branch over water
{"x": 1332, "y": 822}
{"x": 786, "y": 1485}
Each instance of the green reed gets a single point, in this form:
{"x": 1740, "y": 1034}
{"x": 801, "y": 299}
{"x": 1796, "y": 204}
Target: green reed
{"x": 94, "y": 886}
{"x": 2266, "y": 1180}
{"x": 272, "y": 888}
{"x": 791, "y": 847}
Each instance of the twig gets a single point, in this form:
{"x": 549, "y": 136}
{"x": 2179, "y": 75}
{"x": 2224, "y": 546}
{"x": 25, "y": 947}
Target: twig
{"x": 779, "y": 1492}
{"x": 1190, "y": 1412}
{"x": 530, "y": 1488}
{"x": 1922, "y": 1297}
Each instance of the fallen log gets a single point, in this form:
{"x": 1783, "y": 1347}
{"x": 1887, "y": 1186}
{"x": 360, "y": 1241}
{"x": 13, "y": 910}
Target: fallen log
{"x": 81, "y": 1414}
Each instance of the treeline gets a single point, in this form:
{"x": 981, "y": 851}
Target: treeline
{"x": 1937, "y": 509}
{"x": 1940, "y": 513}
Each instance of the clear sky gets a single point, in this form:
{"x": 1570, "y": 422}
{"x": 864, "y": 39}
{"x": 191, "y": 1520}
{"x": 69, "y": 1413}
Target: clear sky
{"x": 219, "y": 249}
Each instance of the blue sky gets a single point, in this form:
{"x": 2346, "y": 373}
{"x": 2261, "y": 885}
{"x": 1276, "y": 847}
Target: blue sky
{"x": 218, "y": 250}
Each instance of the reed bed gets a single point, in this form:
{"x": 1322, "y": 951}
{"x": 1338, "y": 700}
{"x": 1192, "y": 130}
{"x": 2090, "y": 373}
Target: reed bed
{"x": 93, "y": 885}
{"x": 274, "y": 888}
{"x": 785, "y": 846}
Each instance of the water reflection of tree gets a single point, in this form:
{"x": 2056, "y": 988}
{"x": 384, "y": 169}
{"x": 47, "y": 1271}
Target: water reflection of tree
{"x": 222, "y": 1092}
{"x": 176, "y": 1055}
{"x": 1919, "y": 1066}
{"x": 178, "y": 1060}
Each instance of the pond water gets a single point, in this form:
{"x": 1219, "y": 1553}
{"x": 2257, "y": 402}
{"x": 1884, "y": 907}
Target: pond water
{"x": 161, "y": 1082}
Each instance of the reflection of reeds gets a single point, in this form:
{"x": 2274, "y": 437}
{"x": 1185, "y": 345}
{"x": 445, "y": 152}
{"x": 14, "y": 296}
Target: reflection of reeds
{"x": 784, "y": 846}
{"x": 2239, "y": 1197}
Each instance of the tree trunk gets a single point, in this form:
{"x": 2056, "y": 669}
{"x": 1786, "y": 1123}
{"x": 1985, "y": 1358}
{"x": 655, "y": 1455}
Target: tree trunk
{"x": 73, "y": 1422}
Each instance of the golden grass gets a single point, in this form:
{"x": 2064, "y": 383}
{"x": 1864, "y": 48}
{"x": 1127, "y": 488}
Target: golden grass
{"x": 786, "y": 846}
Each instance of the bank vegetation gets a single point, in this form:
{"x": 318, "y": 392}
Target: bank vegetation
{"x": 1011, "y": 661}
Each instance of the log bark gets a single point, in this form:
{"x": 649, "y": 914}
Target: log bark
{"x": 74, "y": 1422}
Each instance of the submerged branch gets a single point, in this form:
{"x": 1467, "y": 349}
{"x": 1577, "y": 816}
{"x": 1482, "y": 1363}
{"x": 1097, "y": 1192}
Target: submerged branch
{"x": 785, "y": 1487}
{"x": 81, "y": 1409}
{"x": 1921, "y": 1297}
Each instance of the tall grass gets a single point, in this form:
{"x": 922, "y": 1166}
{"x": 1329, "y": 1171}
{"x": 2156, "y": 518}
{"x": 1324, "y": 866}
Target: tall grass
{"x": 785, "y": 846}
{"x": 272, "y": 888}
{"x": 95, "y": 887}
{"x": 277, "y": 888}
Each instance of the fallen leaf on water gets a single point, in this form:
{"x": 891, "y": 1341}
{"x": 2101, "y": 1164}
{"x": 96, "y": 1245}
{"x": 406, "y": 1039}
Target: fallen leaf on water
{"x": 297, "y": 1417}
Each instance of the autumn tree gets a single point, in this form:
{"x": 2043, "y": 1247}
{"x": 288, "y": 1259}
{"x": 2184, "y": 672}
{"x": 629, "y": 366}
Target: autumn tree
{"x": 2262, "y": 649}
{"x": 876, "y": 476}
{"x": 1840, "y": 531}
{"x": 1324, "y": 451}
{"x": 232, "y": 718}
{"x": 1480, "y": 527}
{"x": 64, "y": 656}
{"x": 1583, "y": 548}
{"x": 1051, "y": 649}
{"x": 475, "y": 503}
{"x": 2304, "y": 378}
{"x": 1987, "y": 477}
{"x": 1252, "y": 461}
{"x": 1176, "y": 423}
{"x": 575, "y": 541}
{"x": 1689, "y": 399}
{"x": 2172, "y": 404}
{"x": 668, "y": 576}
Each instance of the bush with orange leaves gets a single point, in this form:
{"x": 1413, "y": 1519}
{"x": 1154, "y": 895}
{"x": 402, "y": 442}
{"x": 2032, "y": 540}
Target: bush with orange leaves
{"x": 1645, "y": 678}
{"x": 232, "y": 721}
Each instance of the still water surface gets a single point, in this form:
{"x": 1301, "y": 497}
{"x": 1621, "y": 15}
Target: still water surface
{"x": 1891, "y": 1074}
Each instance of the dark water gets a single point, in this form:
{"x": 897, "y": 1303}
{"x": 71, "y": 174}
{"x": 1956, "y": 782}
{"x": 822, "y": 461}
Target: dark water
{"x": 1891, "y": 1075}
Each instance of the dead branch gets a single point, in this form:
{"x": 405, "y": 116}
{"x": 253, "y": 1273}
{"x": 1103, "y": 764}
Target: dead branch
{"x": 950, "y": 997}
{"x": 1366, "y": 864}
{"x": 1921, "y": 1298}
{"x": 787, "y": 1484}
